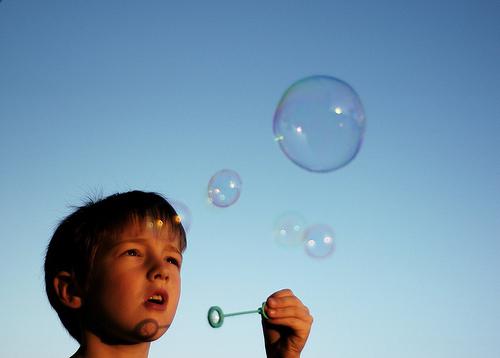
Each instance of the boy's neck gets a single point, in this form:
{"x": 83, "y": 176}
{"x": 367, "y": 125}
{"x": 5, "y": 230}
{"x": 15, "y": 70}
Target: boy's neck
{"x": 95, "y": 348}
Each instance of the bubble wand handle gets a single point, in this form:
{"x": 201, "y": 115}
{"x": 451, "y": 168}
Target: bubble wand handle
{"x": 240, "y": 313}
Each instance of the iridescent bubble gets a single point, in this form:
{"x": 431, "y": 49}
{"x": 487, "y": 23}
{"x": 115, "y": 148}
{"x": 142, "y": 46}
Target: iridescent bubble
{"x": 183, "y": 213}
{"x": 319, "y": 123}
{"x": 288, "y": 229}
{"x": 224, "y": 188}
{"x": 319, "y": 241}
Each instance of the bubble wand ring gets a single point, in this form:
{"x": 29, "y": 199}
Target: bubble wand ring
{"x": 216, "y": 316}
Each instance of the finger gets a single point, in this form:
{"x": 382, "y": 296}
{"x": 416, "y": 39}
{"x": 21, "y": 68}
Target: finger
{"x": 301, "y": 327}
{"x": 284, "y": 301}
{"x": 301, "y": 312}
{"x": 282, "y": 293}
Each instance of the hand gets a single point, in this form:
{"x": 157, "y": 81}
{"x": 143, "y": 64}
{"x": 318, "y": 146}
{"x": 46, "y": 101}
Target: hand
{"x": 288, "y": 326}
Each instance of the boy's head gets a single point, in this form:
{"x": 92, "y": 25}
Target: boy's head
{"x": 113, "y": 267}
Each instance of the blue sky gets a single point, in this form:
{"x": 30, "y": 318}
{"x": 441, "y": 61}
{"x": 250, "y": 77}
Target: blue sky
{"x": 106, "y": 96}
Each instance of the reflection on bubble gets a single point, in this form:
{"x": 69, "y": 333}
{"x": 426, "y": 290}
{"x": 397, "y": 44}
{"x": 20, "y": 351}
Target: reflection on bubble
{"x": 224, "y": 188}
{"x": 288, "y": 229}
{"x": 183, "y": 214}
{"x": 214, "y": 316}
{"x": 319, "y": 123}
{"x": 319, "y": 241}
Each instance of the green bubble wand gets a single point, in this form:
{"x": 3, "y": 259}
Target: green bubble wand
{"x": 216, "y": 315}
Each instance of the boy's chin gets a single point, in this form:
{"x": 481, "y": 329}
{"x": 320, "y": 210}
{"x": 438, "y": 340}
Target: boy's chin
{"x": 149, "y": 330}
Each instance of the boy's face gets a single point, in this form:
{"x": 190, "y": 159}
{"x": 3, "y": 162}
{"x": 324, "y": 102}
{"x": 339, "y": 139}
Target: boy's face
{"x": 135, "y": 285}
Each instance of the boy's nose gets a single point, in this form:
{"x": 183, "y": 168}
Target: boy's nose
{"x": 159, "y": 271}
{"x": 160, "y": 276}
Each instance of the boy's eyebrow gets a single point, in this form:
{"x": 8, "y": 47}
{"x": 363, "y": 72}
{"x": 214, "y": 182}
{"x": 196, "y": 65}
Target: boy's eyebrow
{"x": 142, "y": 240}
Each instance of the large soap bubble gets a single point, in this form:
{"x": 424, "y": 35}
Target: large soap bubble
{"x": 224, "y": 188}
{"x": 319, "y": 123}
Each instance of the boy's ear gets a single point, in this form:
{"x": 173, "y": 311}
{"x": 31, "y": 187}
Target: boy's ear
{"x": 67, "y": 290}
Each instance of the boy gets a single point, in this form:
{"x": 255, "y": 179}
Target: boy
{"x": 112, "y": 274}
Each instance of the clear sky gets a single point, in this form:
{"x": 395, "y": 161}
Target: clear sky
{"x": 106, "y": 96}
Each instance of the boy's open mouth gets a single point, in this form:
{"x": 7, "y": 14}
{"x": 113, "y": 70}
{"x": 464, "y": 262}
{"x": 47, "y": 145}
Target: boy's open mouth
{"x": 157, "y": 299}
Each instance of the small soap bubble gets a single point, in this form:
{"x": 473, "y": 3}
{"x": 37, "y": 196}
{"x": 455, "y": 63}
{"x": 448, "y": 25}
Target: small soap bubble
{"x": 183, "y": 216}
{"x": 319, "y": 241}
{"x": 224, "y": 188}
{"x": 289, "y": 228}
{"x": 319, "y": 123}
{"x": 214, "y": 317}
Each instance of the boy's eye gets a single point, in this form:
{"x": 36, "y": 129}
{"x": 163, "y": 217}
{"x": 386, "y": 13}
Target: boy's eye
{"x": 131, "y": 252}
{"x": 173, "y": 261}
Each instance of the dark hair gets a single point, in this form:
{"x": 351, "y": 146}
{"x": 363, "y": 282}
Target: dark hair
{"x": 77, "y": 238}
